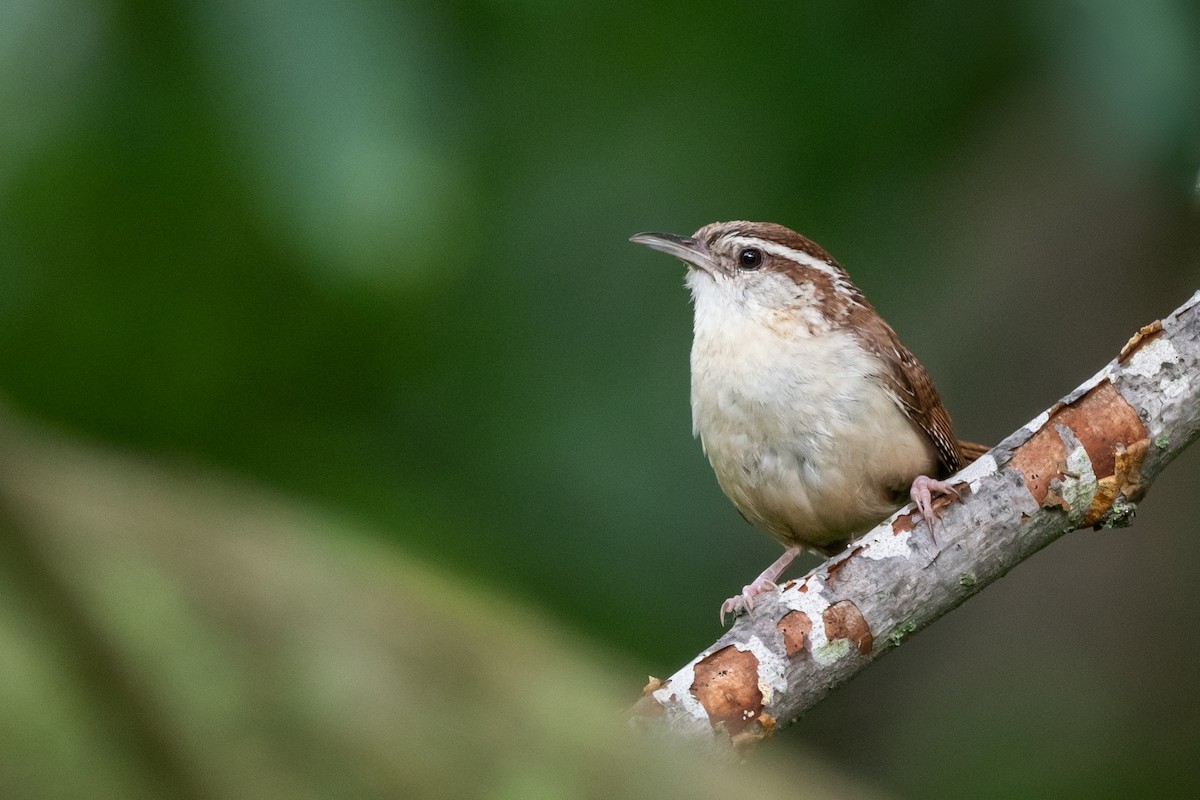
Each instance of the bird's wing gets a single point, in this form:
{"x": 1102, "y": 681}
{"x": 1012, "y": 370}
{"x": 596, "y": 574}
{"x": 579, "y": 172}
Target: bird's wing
{"x": 912, "y": 389}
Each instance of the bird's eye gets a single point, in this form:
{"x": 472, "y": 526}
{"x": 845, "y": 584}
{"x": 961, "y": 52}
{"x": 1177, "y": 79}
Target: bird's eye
{"x": 750, "y": 258}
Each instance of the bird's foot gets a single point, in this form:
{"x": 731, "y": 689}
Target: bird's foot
{"x": 763, "y": 583}
{"x": 922, "y": 491}
{"x": 745, "y": 600}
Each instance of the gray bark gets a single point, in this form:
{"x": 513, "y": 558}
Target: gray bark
{"x": 1085, "y": 462}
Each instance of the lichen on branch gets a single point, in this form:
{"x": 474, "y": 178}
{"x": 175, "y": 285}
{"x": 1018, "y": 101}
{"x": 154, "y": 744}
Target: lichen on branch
{"x": 1085, "y": 462}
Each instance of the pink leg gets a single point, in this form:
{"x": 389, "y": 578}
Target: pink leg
{"x": 763, "y": 583}
{"x": 921, "y": 493}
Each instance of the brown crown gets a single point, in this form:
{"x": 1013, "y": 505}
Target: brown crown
{"x": 768, "y": 231}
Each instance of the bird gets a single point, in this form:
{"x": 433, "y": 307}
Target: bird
{"x": 818, "y": 422}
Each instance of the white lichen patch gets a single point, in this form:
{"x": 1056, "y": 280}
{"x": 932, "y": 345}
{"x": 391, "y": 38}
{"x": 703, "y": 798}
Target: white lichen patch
{"x": 1148, "y": 359}
{"x": 1165, "y": 383}
{"x": 811, "y": 602}
{"x": 1177, "y": 387}
{"x": 977, "y": 470}
{"x": 772, "y": 668}
{"x": 1079, "y": 488}
{"x": 1148, "y": 362}
{"x": 675, "y": 696}
{"x": 1034, "y": 425}
{"x": 831, "y": 652}
{"x": 883, "y": 543}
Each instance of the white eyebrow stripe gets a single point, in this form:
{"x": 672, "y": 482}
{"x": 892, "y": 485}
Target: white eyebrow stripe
{"x": 776, "y": 249}
{"x": 841, "y": 281}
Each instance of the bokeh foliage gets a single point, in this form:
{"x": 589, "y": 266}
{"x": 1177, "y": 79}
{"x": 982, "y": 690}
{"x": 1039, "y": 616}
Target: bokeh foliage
{"x": 168, "y": 635}
{"x": 374, "y": 255}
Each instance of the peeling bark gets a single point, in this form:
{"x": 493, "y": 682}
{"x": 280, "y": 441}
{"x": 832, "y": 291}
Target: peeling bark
{"x": 1085, "y": 462}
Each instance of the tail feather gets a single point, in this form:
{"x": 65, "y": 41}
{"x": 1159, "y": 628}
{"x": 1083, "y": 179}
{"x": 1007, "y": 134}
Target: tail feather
{"x": 972, "y": 451}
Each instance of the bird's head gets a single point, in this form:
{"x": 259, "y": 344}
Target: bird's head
{"x": 759, "y": 269}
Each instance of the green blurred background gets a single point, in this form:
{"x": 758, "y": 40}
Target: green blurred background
{"x": 373, "y": 256}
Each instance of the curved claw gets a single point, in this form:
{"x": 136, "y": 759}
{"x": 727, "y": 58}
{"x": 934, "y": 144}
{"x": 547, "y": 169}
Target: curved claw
{"x": 921, "y": 494}
{"x": 763, "y": 583}
{"x": 745, "y": 600}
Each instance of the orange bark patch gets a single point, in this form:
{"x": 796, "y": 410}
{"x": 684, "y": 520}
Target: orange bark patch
{"x": 727, "y": 686}
{"x": 843, "y": 620}
{"x": 1129, "y": 468}
{"x": 1143, "y": 337}
{"x": 1126, "y": 479}
{"x": 752, "y": 736}
{"x": 795, "y": 627}
{"x": 1106, "y": 493}
{"x": 1041, "y": 459}
{"x": 836, "y": 566}
{"x": 1105, "y": 425}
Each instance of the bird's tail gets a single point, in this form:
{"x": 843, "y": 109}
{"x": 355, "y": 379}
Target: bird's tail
{"x": 972, "y": 450}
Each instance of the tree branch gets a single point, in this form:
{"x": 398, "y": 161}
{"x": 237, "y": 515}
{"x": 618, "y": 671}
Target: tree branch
{"x": 1084, "y": 462}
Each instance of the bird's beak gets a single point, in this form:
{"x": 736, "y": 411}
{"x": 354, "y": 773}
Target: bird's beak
{"x": 692, "y": 252}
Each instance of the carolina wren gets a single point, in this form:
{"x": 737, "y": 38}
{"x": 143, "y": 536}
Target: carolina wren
{"x": 818, "y": 422}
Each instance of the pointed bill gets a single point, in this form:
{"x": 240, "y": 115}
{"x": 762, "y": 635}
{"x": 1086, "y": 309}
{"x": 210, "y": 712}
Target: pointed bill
{"x": 692, "y": 252}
